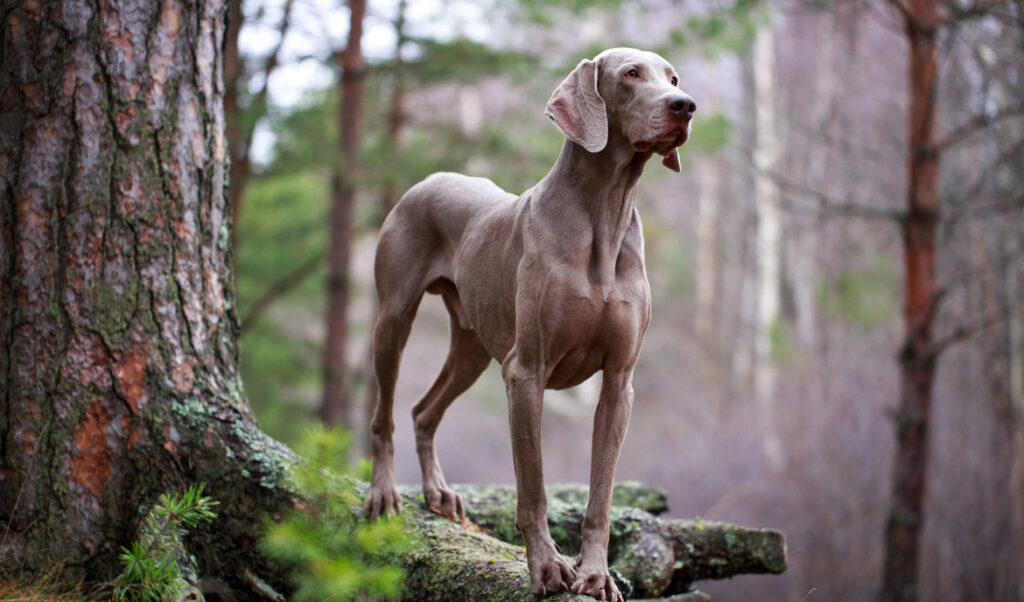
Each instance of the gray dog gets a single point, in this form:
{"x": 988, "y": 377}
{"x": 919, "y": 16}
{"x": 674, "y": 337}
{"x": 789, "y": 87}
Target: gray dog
{"x": 551, "y": 284}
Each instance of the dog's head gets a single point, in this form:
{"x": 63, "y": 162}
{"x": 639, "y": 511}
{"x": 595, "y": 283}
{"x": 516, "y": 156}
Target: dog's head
{"x": 634, "y": 92}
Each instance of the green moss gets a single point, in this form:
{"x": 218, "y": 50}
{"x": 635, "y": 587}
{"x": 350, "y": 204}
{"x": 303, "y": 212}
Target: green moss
{"x": 113, "y": 309}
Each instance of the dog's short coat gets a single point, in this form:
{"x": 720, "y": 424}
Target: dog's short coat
{"x": 551, "y": 284}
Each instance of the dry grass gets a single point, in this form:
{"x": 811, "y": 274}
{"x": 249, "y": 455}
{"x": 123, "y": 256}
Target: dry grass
{"x": 51, "y": 586}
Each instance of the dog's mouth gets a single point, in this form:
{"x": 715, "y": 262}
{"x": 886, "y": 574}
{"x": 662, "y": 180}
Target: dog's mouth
{"x": 666, "y": 144}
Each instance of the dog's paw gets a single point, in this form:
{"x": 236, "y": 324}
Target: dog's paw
{"x": 596, "y": 584}
{"x": 444, "y": 501}
{"x": 550, "y": 575}
{"x": 381, "y": 500}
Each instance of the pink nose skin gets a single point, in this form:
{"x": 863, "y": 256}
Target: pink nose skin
{"x": 681, "y": 105}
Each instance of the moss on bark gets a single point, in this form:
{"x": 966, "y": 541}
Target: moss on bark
{"x": 651, "y": 557}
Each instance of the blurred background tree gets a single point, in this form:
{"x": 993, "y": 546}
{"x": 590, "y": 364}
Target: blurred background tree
{"x": 771, "y": 369}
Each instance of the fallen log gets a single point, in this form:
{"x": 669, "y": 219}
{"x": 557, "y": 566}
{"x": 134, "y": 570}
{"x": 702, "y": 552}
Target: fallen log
{"x": 649, "y": 556}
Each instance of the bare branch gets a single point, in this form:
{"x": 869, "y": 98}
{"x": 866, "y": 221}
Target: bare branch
{"x": 827, "y": 205}
{"x": 279, "y": 289}
{"x": 963, "y": 331}
{"x": 980, "y": 9}
{"x": 967, "y": 208}
{"x": 977, "y": 123}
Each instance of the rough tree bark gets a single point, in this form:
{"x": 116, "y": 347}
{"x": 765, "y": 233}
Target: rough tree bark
{"x": 917, "y": 357}
{"x": 334, "y": 408}
{"x": 659, "y": 557}
{"x": 118, "y": 364}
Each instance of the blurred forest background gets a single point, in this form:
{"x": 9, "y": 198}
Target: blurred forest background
{"x": 786, "y": 309}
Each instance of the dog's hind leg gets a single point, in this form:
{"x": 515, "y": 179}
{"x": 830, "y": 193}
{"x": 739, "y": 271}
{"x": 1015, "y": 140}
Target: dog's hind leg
{"x": 398, "y": 307}
{"x": 467, "y": 359}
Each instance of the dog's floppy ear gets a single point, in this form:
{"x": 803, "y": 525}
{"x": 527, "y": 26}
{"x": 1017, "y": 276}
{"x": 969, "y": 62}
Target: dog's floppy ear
{"x": 578, "y": 110}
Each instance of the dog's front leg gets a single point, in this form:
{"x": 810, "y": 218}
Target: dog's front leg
{"x": 610, "y": 420}
{"x": 549, "y": 572}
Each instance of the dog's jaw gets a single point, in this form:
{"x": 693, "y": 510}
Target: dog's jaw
{"x": 666, "y": 144}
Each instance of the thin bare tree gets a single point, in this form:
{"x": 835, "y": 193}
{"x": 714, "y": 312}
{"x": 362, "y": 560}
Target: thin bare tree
{"x": 335, "y": 405}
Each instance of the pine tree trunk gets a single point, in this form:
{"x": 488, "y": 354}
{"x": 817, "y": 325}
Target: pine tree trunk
{"x": 335, "y": 407}
{"x": 239, "y": 168}
{"x": 118, "y": 365}
{"x": 917, "y": 358}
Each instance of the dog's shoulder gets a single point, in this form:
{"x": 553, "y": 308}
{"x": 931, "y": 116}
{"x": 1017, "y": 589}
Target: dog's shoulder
{"x": 449, "y": 183}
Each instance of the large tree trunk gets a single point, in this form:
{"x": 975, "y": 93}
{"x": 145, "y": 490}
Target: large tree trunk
{"x": 334, "y": 409}
{"x": 118, "y": 365}
{"x": 917, "y": 357}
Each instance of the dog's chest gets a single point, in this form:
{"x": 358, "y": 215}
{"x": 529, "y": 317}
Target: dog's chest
{"x": 595, "y": 326}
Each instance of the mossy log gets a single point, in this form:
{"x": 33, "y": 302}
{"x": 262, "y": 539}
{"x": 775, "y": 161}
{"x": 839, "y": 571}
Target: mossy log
{"x": 650, "y": 557}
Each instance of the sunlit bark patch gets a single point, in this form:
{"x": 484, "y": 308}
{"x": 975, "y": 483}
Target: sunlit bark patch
{"x": 90, "y": 467}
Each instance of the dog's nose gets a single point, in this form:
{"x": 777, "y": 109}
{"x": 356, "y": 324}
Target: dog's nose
{"x": 681, "y": 105}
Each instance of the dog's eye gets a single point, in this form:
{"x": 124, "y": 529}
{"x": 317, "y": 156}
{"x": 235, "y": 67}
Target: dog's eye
{"x": 632, "y": 73}
{"x": 675, "y": 81}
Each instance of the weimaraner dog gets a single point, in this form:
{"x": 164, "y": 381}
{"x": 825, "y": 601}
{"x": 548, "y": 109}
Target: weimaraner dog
{"x": 550, "y": 283}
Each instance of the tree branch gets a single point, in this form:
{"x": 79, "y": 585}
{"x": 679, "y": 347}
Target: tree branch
{"x": 965, "y": 207}
{"x": 977, "y": 10}
{"x": 828, "y": 205}
{"x": 280, "y": 289}
{"x": 963, "y": 331}
{"x": 975, "y": 124}
{"x": 659, "y": 557}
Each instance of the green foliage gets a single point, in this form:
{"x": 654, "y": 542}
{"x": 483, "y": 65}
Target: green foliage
{"x": 711, "y": 132}
{"x": 671, "y": 256}
{"x": 462, "y": 60}
{"x": 153, "y": 566}
{"x": 726, "y": 29}
{"x": 281, "y": 370}
{"x": 782, "y": 349}
{"x": 306, "y": 135}
{"x": 279, "y": 230}
{"x": 335, "y": 554}
{"x": 543, "y": 12}
{"x": 867, "y": 296}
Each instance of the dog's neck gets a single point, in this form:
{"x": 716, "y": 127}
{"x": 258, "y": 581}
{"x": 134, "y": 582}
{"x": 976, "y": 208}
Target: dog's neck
{"x": 602, "y": 186}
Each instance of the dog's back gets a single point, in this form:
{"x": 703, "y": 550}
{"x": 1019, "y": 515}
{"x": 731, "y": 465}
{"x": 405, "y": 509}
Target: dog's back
{"x": 444, "y": 203}
{"x": 425, "y": 229}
